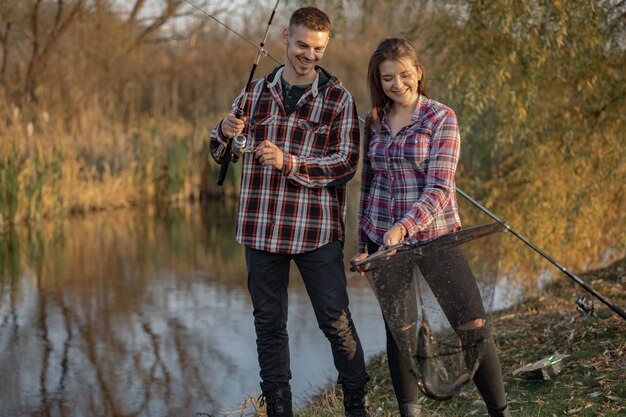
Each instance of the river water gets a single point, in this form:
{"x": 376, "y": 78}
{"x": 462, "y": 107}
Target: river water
{"x": 146, "y": 313}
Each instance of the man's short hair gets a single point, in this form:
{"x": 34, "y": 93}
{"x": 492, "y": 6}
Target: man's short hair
{"x": 311, "y": 17}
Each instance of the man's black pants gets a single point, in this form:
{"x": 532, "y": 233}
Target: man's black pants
{"x": 323, "y": 273}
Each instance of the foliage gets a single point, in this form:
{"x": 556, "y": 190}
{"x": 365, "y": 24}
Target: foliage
{"x": 540, "y": 91}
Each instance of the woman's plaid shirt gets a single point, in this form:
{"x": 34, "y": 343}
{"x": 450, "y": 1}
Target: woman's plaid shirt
{"x": 409, "y": 178}
{"x": 303, "y": 207}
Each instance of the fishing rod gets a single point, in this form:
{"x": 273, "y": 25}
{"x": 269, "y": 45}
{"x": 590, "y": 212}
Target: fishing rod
{"x": 571, "y": 275}
{"x": 241, "y": 142}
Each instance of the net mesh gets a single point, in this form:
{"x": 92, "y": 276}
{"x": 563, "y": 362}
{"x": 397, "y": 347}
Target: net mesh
{"x": 435, "y": 298}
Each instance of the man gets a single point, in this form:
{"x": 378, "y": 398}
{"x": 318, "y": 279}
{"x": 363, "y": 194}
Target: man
{"x": 292, "y": 205}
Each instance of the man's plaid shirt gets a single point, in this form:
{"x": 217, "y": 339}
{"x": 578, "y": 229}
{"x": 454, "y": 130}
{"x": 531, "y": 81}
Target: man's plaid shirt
{"x": 302, "y": 207}
{"x": 409, "y": 178}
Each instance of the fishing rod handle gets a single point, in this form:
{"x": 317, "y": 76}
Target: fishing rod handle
{"x": 224, "y": 166}
{"x": 228, "y": 154}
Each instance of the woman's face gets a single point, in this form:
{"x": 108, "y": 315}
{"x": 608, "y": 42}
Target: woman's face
{"x": 399, "y": 79}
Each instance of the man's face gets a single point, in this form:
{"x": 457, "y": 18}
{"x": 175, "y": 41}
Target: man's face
{"x": 305, "y": 48}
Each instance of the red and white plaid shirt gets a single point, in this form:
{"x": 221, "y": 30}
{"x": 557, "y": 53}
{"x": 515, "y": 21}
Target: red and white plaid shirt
{"x": 302, "y": 207}
{"x": 409, "y": 178}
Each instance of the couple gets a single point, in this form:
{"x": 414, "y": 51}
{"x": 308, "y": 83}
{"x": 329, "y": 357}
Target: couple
{"x": 292, "y": 203}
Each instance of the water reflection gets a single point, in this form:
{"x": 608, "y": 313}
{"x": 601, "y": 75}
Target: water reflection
{"x": 145, "y": 314}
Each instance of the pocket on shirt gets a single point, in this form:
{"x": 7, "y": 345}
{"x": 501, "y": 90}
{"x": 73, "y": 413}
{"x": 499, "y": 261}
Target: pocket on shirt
{"x": 309, "y": 138}
{"x": 378, "y": 155}
{"x": 416, "y": 149}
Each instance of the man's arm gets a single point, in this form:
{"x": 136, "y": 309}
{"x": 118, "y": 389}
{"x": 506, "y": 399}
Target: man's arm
{"x": 367, "y": 176}
{"x": 339, "y": 164}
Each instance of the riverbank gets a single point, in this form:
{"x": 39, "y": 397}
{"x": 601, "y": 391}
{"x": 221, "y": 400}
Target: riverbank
{"x": 593, "y": 381}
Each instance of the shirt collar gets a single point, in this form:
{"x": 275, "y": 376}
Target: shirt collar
{"x": 417, "y": 113}
{"x": 279, "y": 73}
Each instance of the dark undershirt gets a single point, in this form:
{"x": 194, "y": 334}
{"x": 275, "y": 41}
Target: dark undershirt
{"x": 291, "y": 94}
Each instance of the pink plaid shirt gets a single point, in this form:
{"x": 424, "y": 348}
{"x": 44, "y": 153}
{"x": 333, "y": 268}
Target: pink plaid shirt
{"x": 409, "y": 178}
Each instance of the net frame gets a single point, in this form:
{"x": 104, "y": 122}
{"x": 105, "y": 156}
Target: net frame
{"x": 431, "y": 355}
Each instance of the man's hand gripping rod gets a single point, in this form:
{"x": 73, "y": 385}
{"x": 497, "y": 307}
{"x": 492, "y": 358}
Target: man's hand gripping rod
{"x": 240, "y": 140}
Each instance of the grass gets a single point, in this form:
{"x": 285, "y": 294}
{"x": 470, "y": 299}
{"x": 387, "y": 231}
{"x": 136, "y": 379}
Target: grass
{"x": 593, "y": 381}
{"x": 47, "y": 171}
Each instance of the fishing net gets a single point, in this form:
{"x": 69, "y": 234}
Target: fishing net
{"x": 435, "y": 298}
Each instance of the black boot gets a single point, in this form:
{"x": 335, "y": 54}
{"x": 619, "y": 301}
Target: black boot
{"x": 410, "y": 410}
{"x": 278, "y": 401}
{"x": 505, "y": 412}
{"x": 354, "y": 401}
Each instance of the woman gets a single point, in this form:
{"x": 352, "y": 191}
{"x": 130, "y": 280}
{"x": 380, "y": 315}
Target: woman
{"x": 411, "y": 152}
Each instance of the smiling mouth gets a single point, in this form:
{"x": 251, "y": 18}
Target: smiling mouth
{"x": 305, "y": 62}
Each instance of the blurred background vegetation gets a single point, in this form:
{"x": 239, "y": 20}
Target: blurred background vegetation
{"x": 107, "y": 104}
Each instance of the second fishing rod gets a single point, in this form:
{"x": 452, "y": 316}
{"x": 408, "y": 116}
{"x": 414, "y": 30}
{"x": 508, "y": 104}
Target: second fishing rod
{"x": 241, "y": 144}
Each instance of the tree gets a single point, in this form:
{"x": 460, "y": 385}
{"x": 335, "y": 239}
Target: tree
{"x": 540, "y": 91}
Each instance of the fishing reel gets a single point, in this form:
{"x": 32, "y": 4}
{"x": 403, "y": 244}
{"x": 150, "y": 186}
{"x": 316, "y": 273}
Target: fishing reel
{"x": 241, "y": 144}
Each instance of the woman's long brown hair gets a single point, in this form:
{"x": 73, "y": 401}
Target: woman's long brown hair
{"x": 391, "y": 49}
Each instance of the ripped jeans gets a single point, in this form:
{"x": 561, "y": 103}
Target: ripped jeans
{"x": 323, "y": 273}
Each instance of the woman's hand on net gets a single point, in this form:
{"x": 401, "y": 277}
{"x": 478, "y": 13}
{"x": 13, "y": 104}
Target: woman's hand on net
{"x": 361, "y": 268}
{"x": 393, "y": 236}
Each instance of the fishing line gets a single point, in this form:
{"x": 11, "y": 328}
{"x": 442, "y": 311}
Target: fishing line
{"x": 241, "y": 142}
{"x": 207, "y": 14}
